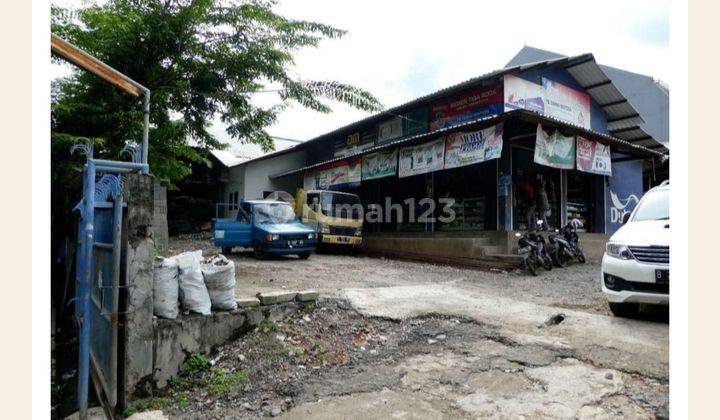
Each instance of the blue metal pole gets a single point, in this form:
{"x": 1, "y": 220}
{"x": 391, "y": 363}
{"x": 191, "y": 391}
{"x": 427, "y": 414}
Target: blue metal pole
{"x": 85, "y": 288}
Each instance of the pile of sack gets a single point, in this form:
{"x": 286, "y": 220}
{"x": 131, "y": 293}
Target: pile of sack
{"x": 198, "y": 284}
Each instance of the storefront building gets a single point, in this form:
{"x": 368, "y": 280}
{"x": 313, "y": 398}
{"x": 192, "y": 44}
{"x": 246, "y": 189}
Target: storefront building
{"x": 558, "y": 124}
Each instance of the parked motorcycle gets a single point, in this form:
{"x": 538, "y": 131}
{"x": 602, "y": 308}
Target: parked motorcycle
{"x": 565, "y": 244}
{"x": 533, "y": 248}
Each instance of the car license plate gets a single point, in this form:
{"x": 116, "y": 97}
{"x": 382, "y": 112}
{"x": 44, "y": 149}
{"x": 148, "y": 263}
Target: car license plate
{"x": 662, "y": 276}
{"x": 293, "y": 244}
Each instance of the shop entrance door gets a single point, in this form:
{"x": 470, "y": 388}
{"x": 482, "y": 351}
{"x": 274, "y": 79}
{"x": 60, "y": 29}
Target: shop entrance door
{"x": 528, "y": 179}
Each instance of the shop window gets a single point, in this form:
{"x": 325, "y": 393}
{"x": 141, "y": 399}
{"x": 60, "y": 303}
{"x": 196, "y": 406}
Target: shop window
{"x": 579, "y": 199}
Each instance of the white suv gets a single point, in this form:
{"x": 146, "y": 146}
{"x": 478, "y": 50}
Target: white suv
{"x": 636, "y": 265}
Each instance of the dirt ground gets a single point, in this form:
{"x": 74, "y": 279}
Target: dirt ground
{"x": 414, "y": 340}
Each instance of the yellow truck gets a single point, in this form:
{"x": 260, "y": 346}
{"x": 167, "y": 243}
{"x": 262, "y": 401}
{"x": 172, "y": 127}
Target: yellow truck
{"x": 336, "y": 216}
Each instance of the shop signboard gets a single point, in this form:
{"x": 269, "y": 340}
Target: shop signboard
{"x": 340, "y": 173}
{"x": 625, "y": 188}
{"x": 354, "y": 143}
{"x": 423, "y": 158}
{"x": 476, "y": 103}
{"x": 380, "y": 164}
{"x": 522, "y": 94}
{"x": 467, "y": 148}
{"x": 593, "y": 157}
{"x": 390, "y": 130}
{"x": 566, "y": 104}
{"x": 554, "y": 150}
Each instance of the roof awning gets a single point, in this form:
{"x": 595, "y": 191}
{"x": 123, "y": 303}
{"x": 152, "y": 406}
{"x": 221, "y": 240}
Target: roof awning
{"x": 619, "y": 145}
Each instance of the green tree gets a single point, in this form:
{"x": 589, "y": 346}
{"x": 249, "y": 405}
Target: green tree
{"x": 200, "y": 59}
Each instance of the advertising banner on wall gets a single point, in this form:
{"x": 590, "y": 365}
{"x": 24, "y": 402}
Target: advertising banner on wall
{"x": 355, "y": 143}
{"x": 566, "y": 104}
{"x": 380, "y": 164}
{"x": 416, "y": 121}
{"x": 522, "y": 94}
{"x": 466, "y": 148}
{"x": 623, "y": 193}
{"x": 390, "y": 130}
{"x": 422, "y": 158}
{"x": 341, "y": 173}
{"x": 554, "y": 150}
{"x": 593, "y": 157}
{"x": 468, "y": 106}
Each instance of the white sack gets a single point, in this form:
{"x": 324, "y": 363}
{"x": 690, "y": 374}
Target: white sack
{"x": 194, "y": 294}
{"x": 165, "y": 288}
{"x": 219, "y": 274}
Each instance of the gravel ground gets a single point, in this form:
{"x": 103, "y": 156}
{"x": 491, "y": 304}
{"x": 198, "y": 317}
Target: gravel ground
{"x": 288, "y": 368}
{"x": 575, "y": 286}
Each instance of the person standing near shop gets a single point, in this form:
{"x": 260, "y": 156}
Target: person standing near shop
{"x": 528, "y": 196}
{"x": 541, "y": 200}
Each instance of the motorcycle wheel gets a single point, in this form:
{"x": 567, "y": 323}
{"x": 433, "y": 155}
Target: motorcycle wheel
{"x": 546, "y": 261}
{"x": 559, "y": 258}
{"x": 531, "y": 265}
{"x": 581, "y": 257}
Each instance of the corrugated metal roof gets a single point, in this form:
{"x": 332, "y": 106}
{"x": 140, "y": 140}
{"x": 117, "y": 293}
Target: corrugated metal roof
{"x": 486, "y": 121}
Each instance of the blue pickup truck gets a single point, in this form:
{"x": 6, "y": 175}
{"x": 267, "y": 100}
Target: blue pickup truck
{"x": 268, "y": 227}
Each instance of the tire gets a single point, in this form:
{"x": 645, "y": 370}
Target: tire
{"x": 559, "y": 258}
{"x": 624, "y": 310}
{"x": 546, "y": 261}
{"x": 226, "y": 250}
{"x": 304, "y": 256}
{"x": 531, "y": 265}
{"x": 258, "y": 252}
{"x": 581, "y": 257}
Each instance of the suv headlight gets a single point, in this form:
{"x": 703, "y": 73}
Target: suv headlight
{"x": 620, "y": 251}
{"x": 324, "y": 229}
{"x": 272, "y": 237}
{"x": 310, "y": 235}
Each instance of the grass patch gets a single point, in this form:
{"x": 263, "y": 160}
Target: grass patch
{"x": 181, "y": 400}
{"x": 268, "y": 326}
{"x": 222, "y": 383}
{"x": 196, "y": 363}
{"x": 152, "y": 403}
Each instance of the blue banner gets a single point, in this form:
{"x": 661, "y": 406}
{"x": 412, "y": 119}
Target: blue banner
{"x": 623, "y": 193}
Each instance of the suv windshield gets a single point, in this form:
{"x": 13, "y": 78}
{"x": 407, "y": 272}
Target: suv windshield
{"x": 654, "y": 206}
{"x": 341, "y": 205}
{"x": 273, "y": 213}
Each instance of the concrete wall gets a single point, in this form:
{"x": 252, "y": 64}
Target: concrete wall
{"x": 160, "y": 221}
{"x": 257, "y": 174}
{"x": 139, "y": 249}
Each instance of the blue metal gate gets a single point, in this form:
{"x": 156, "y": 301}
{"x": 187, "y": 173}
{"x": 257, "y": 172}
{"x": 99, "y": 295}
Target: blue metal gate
{"x": 98, "y": 273}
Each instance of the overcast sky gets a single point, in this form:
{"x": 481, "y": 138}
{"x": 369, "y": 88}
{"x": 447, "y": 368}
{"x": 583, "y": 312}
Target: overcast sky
{"x": 399, "y": 50}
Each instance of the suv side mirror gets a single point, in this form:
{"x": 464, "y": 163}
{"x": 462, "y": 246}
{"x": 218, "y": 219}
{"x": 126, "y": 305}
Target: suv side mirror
{"x": 625, "y": 218}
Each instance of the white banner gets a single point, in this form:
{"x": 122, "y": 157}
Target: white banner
{"x": 380, "y": 164}
{"x": 522, "y": 94}
{"x": 339, "y": 173}
{"x": 554, "y": 150}
{"x": 566, "y": 104}
{"x": 473, "y": 147}
{"x": 593, "y": 157}
{"x": 390, "y": 130}
{"x": 422, "y": 158}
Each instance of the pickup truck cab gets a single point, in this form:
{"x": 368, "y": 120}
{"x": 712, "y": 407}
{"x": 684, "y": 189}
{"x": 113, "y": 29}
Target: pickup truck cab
{"x": 268, "y": 227}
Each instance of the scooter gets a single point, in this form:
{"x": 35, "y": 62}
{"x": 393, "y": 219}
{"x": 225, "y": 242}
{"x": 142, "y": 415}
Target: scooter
{"x": 533, "y": 249}
{"x": 566, "y": 244}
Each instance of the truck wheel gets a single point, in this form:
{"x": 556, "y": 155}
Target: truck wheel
{"x": 226, "y": 250}
{"x": 259, "y": 254}
{"x": 304, "y": 256}
{"x": 624, "y": 310}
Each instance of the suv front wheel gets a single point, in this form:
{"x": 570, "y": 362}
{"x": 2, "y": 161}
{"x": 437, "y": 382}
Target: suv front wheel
{"x": 625, "y": 310}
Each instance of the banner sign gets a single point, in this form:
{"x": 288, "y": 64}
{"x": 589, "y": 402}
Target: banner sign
{"x": 554, "y": 150}
{"x": 390, "y": 130}
{"x": 423, "y": 158}
{"x": 566, "y": 104}
{"x": 522, "y": 94}
{"x": 473, "y": 147}
{"x": 623, "y": 193}
{"x": 593, "y": 157}
{"x": 341, "y": 173}
{"x": 380, "y": 164}
{"x": 468, "y": 106}
{"x": 355, "y": 143}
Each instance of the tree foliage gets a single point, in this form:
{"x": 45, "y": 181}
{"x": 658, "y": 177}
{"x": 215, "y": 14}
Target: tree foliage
{"x": 200, "y": 59}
